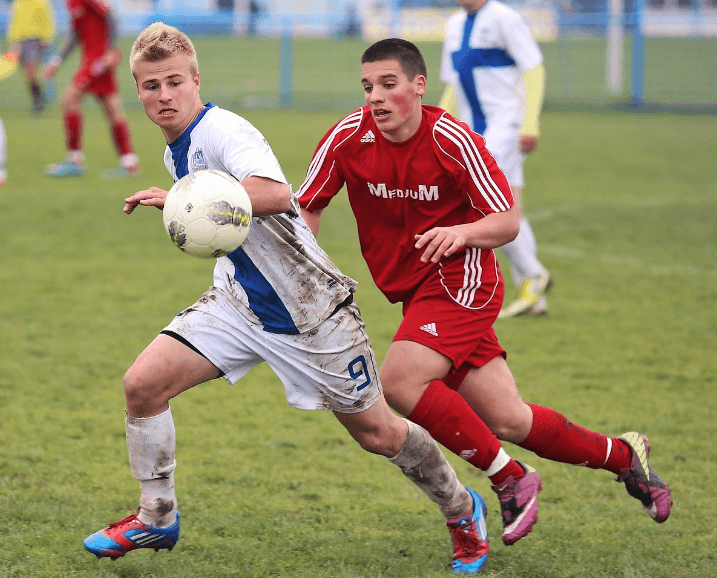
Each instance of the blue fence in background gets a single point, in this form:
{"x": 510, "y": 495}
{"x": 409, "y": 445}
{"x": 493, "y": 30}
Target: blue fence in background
{"x": 642, "y": 58}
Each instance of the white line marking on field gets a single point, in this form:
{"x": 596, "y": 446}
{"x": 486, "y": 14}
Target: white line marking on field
{"x": 626, "y": 202}
{"x": 570, "y": 253}
{"x": 636, "y": 202}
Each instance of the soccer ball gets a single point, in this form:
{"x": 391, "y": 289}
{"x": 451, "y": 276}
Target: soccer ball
{"x": 207, "y": 213}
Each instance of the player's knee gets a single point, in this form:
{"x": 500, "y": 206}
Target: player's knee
{"x": 390, "y": 392}
{"x": 504, "y": 431}
{"x": 139, "y": 387}
{"x": 512, "y": 428}
{"x": 69, "y": 103}
{"x": 393, "y": 386}
{"x": 401, "y": 396}
{"x": 378, "y": 441}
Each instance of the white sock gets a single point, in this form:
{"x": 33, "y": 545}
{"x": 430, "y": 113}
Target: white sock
{"x": 129, "y": 160}
{"x": 422, "y": 462}
{"x": 151, "y": 442}
{"x": 499, "y": 462}
{"x": 522, "y": 252}
{"x": 76, "y": 157}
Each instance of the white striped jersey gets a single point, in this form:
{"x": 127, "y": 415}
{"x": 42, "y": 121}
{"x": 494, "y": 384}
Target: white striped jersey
{"x": 442, "y": 176}
{"x": 485, "y": 55}
{"x": 280, "y": 277}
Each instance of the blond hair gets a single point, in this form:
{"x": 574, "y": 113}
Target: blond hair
{"x": 160, "y": 41}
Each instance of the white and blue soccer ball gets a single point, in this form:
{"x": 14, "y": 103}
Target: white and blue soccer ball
{"x": 207, "y": 213}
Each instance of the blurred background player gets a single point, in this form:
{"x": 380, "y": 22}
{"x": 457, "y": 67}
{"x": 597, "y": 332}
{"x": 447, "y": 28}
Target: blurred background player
{"x": 30, "y": 33}
{"x": 495, "y": 80}
{"x": 93, "y": 27}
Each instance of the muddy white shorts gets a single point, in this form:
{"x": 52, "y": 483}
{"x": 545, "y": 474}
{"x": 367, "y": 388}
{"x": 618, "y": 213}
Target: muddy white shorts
{"x": 330, "y": 367}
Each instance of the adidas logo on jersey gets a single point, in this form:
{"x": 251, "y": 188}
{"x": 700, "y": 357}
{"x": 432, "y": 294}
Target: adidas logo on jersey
{"x": 430, "y": 328}
{"x": 368, "y": 137}
{"x": 467, "y": 454}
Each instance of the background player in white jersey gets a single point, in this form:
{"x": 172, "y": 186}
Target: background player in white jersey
{"x": 495, "y": 82}
{"x": 430, "y": 205}
{"x": 279, "y": 299}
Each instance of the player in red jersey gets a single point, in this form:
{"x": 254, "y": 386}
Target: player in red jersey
{"x": 93, "y": 27}
{"x": 431, "y": 205}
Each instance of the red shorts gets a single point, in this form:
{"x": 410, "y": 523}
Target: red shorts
{"x": 466, "y": 336}
{"x": 100, "y": 85}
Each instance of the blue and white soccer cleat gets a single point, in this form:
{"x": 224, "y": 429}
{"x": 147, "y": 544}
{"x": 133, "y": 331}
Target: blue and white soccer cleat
{"x": 119, "y": 172}
{"x": 470, "y": 538}
{"x": 130, "y": 534}
{"x": 64, "y": 169}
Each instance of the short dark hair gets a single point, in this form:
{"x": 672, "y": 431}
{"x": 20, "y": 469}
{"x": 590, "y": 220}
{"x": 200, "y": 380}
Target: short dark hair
{"x": 407, "y": 54}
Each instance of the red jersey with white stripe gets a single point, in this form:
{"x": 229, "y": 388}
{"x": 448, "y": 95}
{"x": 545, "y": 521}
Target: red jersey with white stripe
{"x": 442, "y": 176}
{"x": 89, "y": 21}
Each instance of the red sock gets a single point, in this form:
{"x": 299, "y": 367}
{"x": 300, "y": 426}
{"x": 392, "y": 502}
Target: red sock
{"x": 555, "y": 438}
{"x": 512, "y": 468}
{"x": 121, "y": 138}
{"x": 452, "y": 423}
{"x": 73, "y": 131}
{"x": 620, "y": 457}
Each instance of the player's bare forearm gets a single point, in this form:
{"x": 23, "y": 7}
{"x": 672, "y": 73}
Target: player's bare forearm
{"x": 110, "y": 59}
{"x": 151, "y": 197}
{"x": 268, "y": 197}
{"x": 51, "y": 70}
{"x": 492, "y": 231}
{"x": 55, "y": 62}
{"x": 313, "y": 220}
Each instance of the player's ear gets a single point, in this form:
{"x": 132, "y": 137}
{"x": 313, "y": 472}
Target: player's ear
{"x": 421, "y": 84}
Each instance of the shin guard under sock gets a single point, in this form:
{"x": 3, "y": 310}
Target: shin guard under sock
{"x": 452, "y": 423}
{"x": 556, "y": 438}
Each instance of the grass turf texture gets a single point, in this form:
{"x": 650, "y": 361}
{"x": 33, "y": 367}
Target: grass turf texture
{"x": 622, "y": 206}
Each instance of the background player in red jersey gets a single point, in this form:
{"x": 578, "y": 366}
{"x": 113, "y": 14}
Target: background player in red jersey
{"x": 93, "y": 27}
{"x": 431, "y": 205}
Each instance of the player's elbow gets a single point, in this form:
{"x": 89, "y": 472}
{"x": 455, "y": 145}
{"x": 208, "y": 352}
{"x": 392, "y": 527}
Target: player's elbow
{"x": 512, "y": 230}
{"x": 510, "y": 225}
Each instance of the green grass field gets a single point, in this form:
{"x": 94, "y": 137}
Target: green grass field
{"x": 623, "y": 208}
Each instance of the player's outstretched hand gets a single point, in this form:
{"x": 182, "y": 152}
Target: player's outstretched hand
{"x": 110, "y": 59}
{"x": 51, "y": 69}
{"x": 439, "y": 242}
{"x": 528, "y": 143}
{"x": 151, "y": 197}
